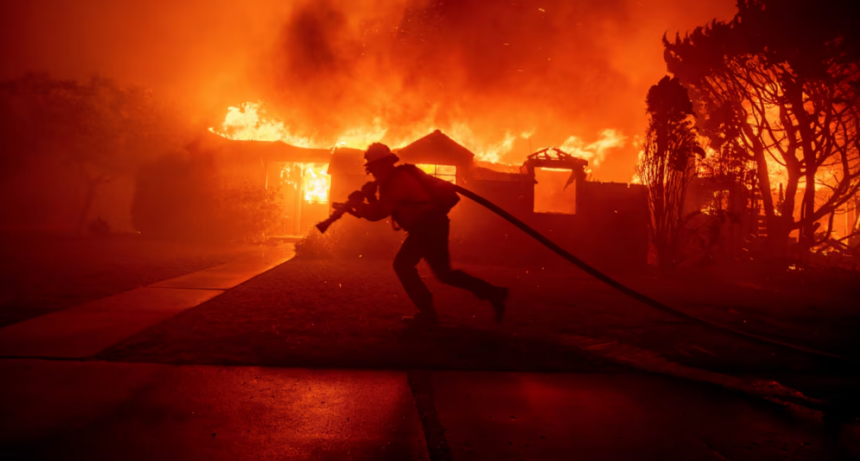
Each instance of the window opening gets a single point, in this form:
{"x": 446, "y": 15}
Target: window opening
{"x": 444, "y": 172}
{"x": 553, "y": 193}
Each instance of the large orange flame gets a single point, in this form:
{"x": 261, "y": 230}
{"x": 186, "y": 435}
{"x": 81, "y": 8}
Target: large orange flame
{"x": 250, "y": 121}
{"x": 316, "y": 183}
{"x": 312, "y": 177}
{"x": 594, "y": 152}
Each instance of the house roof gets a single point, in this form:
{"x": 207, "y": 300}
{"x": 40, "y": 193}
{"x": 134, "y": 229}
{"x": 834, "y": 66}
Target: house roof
{"x": 345, "y": 160}
{"x": 553, "y": 157}
{"x": 272, "y": 151}
{"x": 436, "y": 148}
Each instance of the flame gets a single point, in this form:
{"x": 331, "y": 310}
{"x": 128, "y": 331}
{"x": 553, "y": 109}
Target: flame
{"x": 249, "y": 121}
{"x": 443, "y": 172}
{"x": 360, "y": 138}
{"x": 595, "y": 152}
{"x": 485, "y": 152}
{"x": 314, "y": 180}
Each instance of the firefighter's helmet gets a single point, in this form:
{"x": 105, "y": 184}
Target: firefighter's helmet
{"x": 378, "y": 152}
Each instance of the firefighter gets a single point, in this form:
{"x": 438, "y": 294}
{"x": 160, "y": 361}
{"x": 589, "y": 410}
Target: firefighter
{"x": 419, "y": 203}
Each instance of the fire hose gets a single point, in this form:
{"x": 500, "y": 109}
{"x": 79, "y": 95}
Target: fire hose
{"x": 340, "y": 209}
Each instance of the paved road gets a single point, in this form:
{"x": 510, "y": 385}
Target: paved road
{"x": 514, "y": 416}
{"x": 113, "y": 411}
{"x": 106, "y": 411}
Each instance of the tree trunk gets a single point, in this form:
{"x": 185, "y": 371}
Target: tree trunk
{"x": 807, "y": 230}
{"x": 776, "y": 243}
{"x": 794, "y": 93}
{"x": 855, "y": 226}
{"x": 761, "y": 173}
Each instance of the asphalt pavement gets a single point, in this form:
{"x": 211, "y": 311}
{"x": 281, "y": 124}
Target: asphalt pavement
{"x": 60, "y": 398}
{"x": 92, "y": 410}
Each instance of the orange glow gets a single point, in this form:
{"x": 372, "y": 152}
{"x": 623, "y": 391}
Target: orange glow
{"x": 595, "y": 152}
{"x": 314, "y": 180}
{"x": 777, "y": 172}
{"x": 251, "y": 122}
{"x": 444, "y": 172}
{"x": 551, "y": 195}
{"x": 563, "y": 68}
{"x": 491, "y": 152}
{"x": 316, "y": 183}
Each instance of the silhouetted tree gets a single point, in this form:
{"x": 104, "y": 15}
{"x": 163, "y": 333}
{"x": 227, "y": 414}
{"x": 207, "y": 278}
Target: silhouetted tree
{"x": 97, "y": 128}
{"x": 667, "y": 165}
{"x": 780, "y": 85}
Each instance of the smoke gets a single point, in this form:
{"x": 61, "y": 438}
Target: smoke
{"x": 199, "y": 55}
{"x": 485, "y": 71}
{"x": 560, "y": 71}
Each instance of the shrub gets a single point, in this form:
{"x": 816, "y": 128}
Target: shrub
{"x": 180, "y": 196}
{"x": 317, "y": 245}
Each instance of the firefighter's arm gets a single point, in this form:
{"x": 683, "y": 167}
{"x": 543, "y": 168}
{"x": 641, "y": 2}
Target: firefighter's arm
{"x": 375, "y": 211}
{"x": 369, "y": 191}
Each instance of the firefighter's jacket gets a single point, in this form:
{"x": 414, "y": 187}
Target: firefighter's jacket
{"x": 405, "y": 199}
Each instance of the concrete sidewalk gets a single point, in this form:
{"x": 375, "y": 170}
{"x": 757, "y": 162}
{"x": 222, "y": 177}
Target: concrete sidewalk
{"x": 106, "y": 411}
{"x": 83, "y": 331}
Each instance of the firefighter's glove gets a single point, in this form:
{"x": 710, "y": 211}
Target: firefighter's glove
{"x": 368, "y": 190}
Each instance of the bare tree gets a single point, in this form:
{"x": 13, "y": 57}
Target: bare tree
{"x": 667, "y": 165}
{"x": 785, "y": 99}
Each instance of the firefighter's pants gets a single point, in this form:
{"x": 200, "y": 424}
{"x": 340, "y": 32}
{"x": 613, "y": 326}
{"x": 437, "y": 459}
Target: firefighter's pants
{"x": 430, "y": 242}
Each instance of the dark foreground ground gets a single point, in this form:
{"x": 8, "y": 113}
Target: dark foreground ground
{"x": 110, "y": 411}
{"x": 45, "y": 273}
{"x": 346, "y": 314}
{"x": 269, "y": 369}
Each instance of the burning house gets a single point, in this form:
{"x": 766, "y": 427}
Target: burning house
{"x": 603, "y": 222}
{"x": 298, "y": 174}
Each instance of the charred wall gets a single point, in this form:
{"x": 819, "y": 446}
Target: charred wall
{"x": 609, "y": 230}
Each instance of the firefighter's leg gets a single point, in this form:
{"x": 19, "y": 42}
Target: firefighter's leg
{"x": 439, "y": 259}
{"x": 404, "y": 266}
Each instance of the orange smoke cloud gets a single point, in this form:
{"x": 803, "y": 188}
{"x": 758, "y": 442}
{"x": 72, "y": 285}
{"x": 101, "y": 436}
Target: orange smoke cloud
{"x": 483, "y": 72}
{"x": 335, "y": 70}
